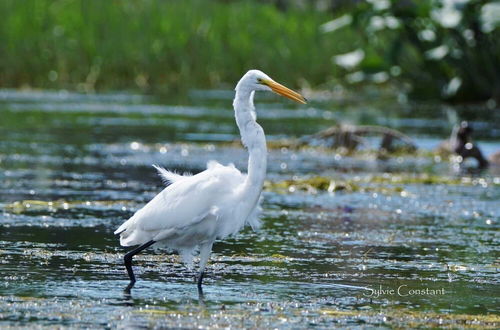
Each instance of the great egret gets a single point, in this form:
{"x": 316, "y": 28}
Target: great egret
{"x": 195, "y": 210}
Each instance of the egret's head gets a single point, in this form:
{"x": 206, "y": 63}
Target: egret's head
{"x": 255, "y": 80}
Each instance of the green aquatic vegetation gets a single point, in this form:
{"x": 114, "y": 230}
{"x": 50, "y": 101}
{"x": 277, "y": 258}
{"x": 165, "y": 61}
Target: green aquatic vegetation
{"x": 28, "y": 205}
{"x": 317, "y": 184}
{"x": 416, "y": 319}
{"x": 156, "y": 313}
{"x": 385, "y": 184}
{"x": 429, "y": 179}
{"x": 278, "y": 256}
{"x": 392, "y": 317}
{"x": 311, "y": 185}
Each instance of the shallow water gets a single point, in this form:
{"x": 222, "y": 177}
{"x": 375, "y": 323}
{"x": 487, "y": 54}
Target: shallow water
{"x": 74, "y": 167}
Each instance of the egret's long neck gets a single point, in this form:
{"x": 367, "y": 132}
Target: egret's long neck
{"x": 252, "y": 136}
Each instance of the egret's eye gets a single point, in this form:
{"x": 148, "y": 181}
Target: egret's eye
{"x": 259, "y": 80}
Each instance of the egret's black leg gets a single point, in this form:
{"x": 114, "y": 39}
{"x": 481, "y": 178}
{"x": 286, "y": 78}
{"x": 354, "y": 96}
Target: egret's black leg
{"x": 201, "y": 297}
{"x": 200, "y": 289}
{"x": 205, "y": 251}
{"x": 200, "y": 280}
{"x": 128, "y": 263}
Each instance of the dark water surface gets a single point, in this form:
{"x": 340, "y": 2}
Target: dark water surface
{"x": 415, "y": 243}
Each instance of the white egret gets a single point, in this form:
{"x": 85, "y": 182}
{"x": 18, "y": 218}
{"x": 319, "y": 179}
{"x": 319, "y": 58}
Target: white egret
{"x": 195, "y": 210}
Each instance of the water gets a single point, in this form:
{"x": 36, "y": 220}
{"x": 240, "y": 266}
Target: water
{"x": 74, "y": 167}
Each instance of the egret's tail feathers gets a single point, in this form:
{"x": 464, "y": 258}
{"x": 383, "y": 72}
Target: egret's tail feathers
{"x": 212, "y": 164}
{"x": 122, "y": 228}
{"x": 130, "y": 235}
{"x": 118, "y": 232}
{"x": 168, "y": 177}
{"x": 125, "y": 231}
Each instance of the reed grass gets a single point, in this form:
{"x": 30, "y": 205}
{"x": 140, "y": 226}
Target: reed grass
{"x": 161, "y": 46}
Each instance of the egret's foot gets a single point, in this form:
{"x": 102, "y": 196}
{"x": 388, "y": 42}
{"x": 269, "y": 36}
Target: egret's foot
{"x": 127, "y": 298}
{"x": 201, "y": 297}
{"x": 129, "y": 287}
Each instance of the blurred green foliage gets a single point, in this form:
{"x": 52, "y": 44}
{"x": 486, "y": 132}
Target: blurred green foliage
{"x": 444, "y": 49}
{"x": 158, "y": 46}
{"x": 436, "y": 49}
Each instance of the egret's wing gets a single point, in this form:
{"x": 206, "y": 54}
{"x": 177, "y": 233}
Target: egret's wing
{"x": 185, "y": 202}
{"x": 167, "y": 176}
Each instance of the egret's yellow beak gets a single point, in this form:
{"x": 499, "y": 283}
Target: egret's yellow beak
{"x": 283, "y": 91}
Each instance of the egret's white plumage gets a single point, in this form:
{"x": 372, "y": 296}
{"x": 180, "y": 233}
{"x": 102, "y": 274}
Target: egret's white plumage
{"x": 195, "y": 210}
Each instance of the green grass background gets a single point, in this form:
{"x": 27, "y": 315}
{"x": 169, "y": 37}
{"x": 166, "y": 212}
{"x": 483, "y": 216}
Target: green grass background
{"x": 162, "y": 46}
